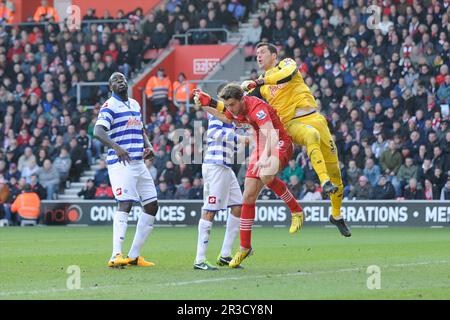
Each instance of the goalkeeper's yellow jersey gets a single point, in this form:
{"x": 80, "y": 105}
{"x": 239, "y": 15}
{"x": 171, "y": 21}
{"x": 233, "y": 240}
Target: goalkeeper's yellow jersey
{"x": 285, "y": 90}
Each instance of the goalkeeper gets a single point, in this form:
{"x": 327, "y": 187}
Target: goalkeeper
{"x": 282, "y": 86}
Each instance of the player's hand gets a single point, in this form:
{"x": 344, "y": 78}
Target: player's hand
{"x": 248, "y": 85}
{"x": 122, "y": 154}
{"x": 201, "y": 99}
{"x": 148, "y": 154}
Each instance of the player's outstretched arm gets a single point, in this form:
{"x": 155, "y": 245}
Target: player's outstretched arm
{"x": 286, "y": 69}
{"x": 219, "y": 115}
{"x": 100, "y": 133}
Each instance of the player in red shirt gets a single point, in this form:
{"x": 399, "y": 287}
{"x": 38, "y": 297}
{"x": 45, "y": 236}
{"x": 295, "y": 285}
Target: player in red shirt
{"x": 272, "y": 153}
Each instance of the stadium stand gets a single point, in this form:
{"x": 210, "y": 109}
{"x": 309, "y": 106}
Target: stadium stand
{"x": 385, "y": 91}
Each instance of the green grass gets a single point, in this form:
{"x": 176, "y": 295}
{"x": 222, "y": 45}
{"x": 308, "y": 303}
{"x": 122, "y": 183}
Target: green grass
{"x": 315, "y": 264}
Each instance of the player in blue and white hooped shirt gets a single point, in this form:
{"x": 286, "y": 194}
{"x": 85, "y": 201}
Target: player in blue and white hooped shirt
{"x": 120, "y": 127}
{"x": 221, "y": 190}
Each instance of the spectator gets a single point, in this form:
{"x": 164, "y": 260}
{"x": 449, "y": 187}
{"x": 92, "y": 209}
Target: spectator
{"x": 183, "y": 189}
{"x": 25, "y": 159}
{"x": 49, "y": 178}
{"x": 372, "y": 172}
{"x": 407, "y": 172}
{"x": 164, "y": 193}
{"x": 252, "y": 35}
{"x": 310, "y": 193}
{"x": 101, "y": 175}
{"x": 384, "y": 190}
{"x": 445, "y": 193}
{"x": 104, "y": 192}
{"x": 63, "y": 163}
{"x": 84, "y": 141}
{"x": 362, "y": 191}
{"x": 203, "y": 36}
{"x": 429, "y": 192}
{"x": 196, "y": 192}
{"x": 27, "y": 205}
{"x": 294, "y": 186}
{"x": 160, "y": 36}
{"x": 13, "y": 172}
{"x": 292, "y": 169}
{"x": 78, "y": 157}
{"x": 159, "y": 90}
{"x": 37, "y": 188}
{"x": 353, "y": 173}
{"x": 414, "y": 191}
{"x": 391, "y": 161}
{"x": 45, "y": 12}
{"x": 4, "y": 195}
{"x": 29, "y": 170}
{"x": 88, "y": 192}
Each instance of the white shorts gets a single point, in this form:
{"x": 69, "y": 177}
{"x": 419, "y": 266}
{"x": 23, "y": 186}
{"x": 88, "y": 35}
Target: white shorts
{"x": 221, "y": 188}
{"x": 132, "y": 182}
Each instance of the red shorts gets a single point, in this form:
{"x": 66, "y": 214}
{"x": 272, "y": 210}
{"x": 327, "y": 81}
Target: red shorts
{"x": 285, "y": 150}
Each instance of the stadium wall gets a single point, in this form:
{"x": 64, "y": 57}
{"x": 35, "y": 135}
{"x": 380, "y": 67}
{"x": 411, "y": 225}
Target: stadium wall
{"x": 196, "y": 61}
{"x": 268, "y": 213}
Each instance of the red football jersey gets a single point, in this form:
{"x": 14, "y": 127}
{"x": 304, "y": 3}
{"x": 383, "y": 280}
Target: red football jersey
{"x": 256, "y": 113}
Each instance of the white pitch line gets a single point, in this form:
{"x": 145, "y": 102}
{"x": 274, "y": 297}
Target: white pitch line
{"x": 212, "y": 280}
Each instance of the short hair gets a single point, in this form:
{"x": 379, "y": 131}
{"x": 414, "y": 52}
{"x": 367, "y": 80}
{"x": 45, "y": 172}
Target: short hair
{"x": 272, "y": 48}
{"x": 231, "y": 91}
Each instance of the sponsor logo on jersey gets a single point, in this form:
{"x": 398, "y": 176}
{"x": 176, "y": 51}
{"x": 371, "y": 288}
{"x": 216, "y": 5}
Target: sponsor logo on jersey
{"x": 212, "y": 200}
{"x": 133, "y": 122}
{"x": 261, "y": 115}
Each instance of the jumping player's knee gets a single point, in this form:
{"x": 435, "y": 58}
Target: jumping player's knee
{"x": 125, "y": 206}
{"x": 267, "y": 179}
{"x": 151, "y": 208}
{"x": 236, "y": 211}
{"x": 250, "y": 198}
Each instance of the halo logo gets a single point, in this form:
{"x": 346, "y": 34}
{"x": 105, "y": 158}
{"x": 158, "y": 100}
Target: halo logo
{"x": 63, "y": 215}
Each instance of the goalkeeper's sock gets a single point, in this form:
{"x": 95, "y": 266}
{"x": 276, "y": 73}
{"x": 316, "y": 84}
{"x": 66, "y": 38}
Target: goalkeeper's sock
{"x": 143, "y": 229}
{"x": 204, "y": 230}
{"x": 120, "y": 224}
{"x": 230, "y": 234}
{"x": 247, "y": 219}
{"x": 281, "y": 190}
{"x": 318, "y": 162}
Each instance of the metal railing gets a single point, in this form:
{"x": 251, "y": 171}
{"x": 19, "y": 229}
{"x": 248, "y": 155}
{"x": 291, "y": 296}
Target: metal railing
{"x": 88, "y": 84}
{"x": 189, "y": 33}
{"x": 62, "y": 23}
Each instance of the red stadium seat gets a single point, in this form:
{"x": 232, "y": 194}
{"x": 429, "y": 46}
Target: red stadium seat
{"x": 151, "y": 54}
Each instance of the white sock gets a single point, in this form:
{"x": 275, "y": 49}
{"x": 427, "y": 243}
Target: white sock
{"x": 204, "y": 229}
{"x": 231, "y": 233}
{"x": 143, "y": 229}
{"x": 120, "y": 223}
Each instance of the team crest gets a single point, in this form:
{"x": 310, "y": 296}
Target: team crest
{"x": 119, "y": 191}
{"x": 261, "y": 115}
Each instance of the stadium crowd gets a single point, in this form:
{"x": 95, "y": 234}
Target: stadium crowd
{"x": 385, "y": 91}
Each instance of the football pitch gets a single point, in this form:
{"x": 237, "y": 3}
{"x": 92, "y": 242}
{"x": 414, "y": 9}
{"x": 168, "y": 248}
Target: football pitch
{"x": 316, "y": 263}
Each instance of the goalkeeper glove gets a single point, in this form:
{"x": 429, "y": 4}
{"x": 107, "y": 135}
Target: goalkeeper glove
{"x": 201, "y": 99}
{"x": 251, "y": 84}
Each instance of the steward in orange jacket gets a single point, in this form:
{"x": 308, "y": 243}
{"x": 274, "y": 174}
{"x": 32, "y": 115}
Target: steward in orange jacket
{"x": 47, "y": 11}
{"x": 27, "y": 204}
{"x": 179, "y": 89}
{"x": 159, "y": 90}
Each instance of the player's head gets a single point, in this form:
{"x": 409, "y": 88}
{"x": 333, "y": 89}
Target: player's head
{"x": 266, "y": 55}
{"x": 232, "y": 95}
{"x": 118, "y": 83}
